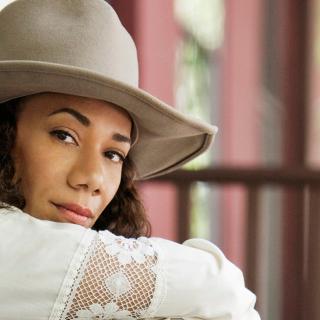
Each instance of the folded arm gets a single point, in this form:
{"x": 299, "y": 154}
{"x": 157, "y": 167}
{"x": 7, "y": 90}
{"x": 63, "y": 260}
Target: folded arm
{"x": 73, "y": 273}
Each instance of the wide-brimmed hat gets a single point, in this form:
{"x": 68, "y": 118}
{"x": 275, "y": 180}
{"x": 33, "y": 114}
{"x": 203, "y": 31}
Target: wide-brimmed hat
{"x": 79, "y": 47}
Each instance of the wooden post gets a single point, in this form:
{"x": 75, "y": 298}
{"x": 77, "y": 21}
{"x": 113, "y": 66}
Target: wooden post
{"x": 292, "y": 66}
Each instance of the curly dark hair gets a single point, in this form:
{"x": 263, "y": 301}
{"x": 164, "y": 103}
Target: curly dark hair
{"x": 125, "y": 214}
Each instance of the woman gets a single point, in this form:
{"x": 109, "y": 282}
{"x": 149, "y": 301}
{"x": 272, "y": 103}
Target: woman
{"x": 75, "y": 132}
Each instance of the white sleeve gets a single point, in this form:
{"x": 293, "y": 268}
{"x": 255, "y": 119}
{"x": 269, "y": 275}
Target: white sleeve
{"x": 63, "y": 271}
{"x": 202, "y": 283}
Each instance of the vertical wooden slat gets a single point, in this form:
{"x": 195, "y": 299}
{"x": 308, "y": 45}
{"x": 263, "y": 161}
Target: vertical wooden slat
{"x": 184, "y": 207}
{"x": 252, "y": 239}
{"x": 292, "y": 257}
{"x": 312, "y": 293}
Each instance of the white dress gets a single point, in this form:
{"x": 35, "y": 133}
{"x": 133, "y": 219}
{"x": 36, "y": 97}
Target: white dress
{"x": 61, "y": 271}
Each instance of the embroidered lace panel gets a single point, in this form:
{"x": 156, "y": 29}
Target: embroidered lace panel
{"x": 117, "y": 280}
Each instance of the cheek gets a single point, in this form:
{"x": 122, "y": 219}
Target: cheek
{"x": 111, "y": 185}
{"x": 38, "y": 170}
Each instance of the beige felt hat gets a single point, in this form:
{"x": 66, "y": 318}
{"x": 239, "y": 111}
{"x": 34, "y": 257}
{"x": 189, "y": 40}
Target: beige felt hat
{"x": 80, "y": 47}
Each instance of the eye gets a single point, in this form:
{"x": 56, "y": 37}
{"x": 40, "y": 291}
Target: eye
{"x": 114, "y": 156}
{"x": 64, "y": 136}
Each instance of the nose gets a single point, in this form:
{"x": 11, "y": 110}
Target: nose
{"x": 86, "y": 174}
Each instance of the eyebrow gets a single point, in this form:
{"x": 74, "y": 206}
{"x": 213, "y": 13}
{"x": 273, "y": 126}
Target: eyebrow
{"x": 86, "y": 122}
{"x": 76, "y": 114}
{"x": 121, "y": 138}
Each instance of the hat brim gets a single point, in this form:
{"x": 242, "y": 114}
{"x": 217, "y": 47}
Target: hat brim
{"x": 167, "y": 138}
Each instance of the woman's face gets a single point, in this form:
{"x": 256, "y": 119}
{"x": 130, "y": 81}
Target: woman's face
{"x": 68, "y": 156}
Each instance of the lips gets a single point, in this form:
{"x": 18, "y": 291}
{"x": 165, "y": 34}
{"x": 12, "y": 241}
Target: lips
{"x": 75, "y": 213}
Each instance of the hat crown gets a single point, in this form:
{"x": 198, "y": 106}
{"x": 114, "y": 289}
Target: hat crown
{"x": 79, "y": 33}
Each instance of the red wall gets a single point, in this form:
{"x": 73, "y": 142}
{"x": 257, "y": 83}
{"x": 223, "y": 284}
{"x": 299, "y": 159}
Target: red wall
{"x": 152, "y": 26}
{"x": 241, "y": 98}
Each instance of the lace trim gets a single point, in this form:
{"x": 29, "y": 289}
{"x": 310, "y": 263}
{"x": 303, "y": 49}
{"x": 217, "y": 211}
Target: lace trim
{"x": 127, "y": 250}
{"x": 160, "y": 291}
{"x": 69, "y": 283}
{"x": 118, "y": 278}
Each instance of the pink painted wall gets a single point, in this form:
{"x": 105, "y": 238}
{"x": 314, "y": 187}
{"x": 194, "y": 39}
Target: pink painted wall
{"x": 156, "y": 38}
{"x": 241, "y": 90}
{"x": 155, "y": 32}
{"x": 241, "y": 96}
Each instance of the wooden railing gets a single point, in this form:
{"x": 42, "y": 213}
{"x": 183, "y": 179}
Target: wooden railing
{"x": 301, "y": 252}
